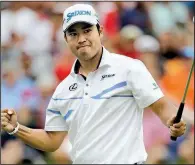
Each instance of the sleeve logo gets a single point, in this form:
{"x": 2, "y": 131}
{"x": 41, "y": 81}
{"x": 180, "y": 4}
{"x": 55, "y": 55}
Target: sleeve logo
{"x": 155, "y": 86}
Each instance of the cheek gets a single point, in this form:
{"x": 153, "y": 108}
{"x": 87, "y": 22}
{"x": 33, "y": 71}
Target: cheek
{"x": 71, "y": 46}
{"x": 96, "y": 41}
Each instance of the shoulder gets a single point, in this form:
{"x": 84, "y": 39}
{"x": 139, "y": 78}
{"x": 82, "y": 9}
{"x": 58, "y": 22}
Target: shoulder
{"x": 63, "y": 86}
{"x": 123, "y": 61}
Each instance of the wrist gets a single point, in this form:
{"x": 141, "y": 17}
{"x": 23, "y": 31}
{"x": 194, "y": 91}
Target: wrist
{"x": 15, "y": 129}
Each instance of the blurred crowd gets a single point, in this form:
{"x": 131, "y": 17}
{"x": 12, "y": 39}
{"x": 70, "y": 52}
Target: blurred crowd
{"x": 35, "y": 59}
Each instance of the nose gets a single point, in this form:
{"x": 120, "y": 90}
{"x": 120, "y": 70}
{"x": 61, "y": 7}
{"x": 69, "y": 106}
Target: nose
{"x": 81, "y": 39}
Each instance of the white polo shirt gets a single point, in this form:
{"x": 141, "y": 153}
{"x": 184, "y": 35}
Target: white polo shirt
{"x": 103, "y": 114}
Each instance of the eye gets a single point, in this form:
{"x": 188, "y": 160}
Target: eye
{"x": 87, "y": 30}
{"x": 72, "y": 34}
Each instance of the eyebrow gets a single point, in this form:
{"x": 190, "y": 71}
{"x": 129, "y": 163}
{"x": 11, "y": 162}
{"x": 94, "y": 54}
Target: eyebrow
{"x": 70, "y": 30}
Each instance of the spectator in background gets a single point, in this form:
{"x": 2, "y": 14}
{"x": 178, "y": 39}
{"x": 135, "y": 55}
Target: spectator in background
{"x": 62, "y": 58}
{"x": 63, "y": 65}
{"x": 112, "y": 24}
{"x": 178, "y": 55}
{"x": 31, "y": 37}
{"x": 26, "y": 26}
{"x": 176, "y": 66}
{"x": 12, "y": 153}
{"x": 186, "y": 149}
{"x": 178, "y": 69}
{"x": 18, "y": 91}
{"x": 103, "y": 8}
{"x": 156, "y": 144}
{"x": 128, "y": 35}
{"x": 7, "y": 33}
{"x": 190, "y": 5}
{"x": 46, "y": 85}
{"x": 165, "y": 15}
{"x": 56, "y": 15}
{"x": 149, "y": 48}
{"x": 26, "y": 66}
{"x": 136, "y": 15}
{"x": 124, "y": 14}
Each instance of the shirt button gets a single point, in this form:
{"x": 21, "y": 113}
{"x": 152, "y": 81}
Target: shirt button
{"x": 87, "y": 85}
{"x": 86, "y": 93}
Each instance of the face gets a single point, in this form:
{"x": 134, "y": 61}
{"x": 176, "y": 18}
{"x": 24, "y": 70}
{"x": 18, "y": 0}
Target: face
{"x": 84, "y": 40}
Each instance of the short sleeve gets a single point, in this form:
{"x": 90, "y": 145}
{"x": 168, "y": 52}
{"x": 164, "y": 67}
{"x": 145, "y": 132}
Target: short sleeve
{"x": 54, "y": 119}
{"x": 143, "y": 86}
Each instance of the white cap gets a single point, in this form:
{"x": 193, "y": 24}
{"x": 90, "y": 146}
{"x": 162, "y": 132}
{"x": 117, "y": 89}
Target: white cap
{"x": 147, "y": 43}
{"x": 131, "y": 32}
{"x": 79, "y": 13}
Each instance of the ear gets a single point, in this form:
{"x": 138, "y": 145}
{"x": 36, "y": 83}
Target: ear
{"x": 101, "y": 31}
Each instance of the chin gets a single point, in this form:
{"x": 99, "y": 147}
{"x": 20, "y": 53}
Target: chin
{"x": 86, "y": 56}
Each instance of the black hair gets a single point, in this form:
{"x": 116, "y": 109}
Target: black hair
{"x": 98, "y": 27}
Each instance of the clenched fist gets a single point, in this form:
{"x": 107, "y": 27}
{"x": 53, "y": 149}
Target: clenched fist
{"x": 8, "y": 120}
{"x": 177, "y": 129}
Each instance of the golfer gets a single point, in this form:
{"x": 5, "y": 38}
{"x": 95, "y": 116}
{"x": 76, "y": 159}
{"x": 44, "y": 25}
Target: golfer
{"x": 100, "y": 104}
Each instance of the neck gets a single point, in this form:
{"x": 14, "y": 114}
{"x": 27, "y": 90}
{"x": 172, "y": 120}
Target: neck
{"x": 90, "y": 65}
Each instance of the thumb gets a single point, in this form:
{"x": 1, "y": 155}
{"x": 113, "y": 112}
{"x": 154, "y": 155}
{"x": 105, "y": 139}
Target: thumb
{"x": 11, "y": 112}
{"x": 170, "y": 122}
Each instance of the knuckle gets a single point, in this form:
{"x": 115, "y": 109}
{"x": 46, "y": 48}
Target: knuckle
{"x": 8, "y": 116}
{"x": 4, "y": 118}
{"x": 173, "y": 129}
{"x": 174, "y": 135}
{"x": 3, "y": 124}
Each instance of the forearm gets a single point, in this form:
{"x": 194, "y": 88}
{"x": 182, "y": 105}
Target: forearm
{"x": 166, "y": 113}
{"x": 164, "y": 110}
{"x": 36, "y": 138}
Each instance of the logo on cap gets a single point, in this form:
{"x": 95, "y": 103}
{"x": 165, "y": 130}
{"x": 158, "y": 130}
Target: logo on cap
{"x": 77, "y": 12}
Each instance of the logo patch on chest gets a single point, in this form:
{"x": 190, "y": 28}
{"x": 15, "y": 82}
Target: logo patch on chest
{"x": 73, "y": 87}
{"x": 107, "y": 76}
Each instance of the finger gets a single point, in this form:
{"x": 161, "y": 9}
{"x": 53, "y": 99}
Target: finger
{"x": 171, "y": 121}
{"x": 180, "y": 124}
{"x": 6, "y": 115}
{"x": 183, "y": 129}
{"x": 11, "y": 112}
{"x": 4, "y": 110}
{"x": 174, "y": 134}
{"x": 4, "y": 119}
{"x": 177, "y": 132}
{"x": 4, "y": 124}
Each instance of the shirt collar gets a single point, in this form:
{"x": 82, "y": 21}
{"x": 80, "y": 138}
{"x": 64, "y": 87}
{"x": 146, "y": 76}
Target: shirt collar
{"x": 104, "y": 61}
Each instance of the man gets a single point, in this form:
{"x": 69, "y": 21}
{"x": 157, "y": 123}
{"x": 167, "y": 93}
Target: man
{"x": 100, "y": 104}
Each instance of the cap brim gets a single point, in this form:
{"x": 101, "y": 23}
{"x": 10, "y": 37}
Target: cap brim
{"x": 84, "y": 20}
